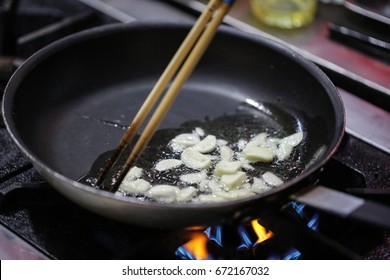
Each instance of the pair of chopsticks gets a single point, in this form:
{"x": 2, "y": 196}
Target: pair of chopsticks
{"x": 187, "y": 56}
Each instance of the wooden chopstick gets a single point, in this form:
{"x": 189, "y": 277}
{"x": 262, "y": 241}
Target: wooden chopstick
{"x": 160, "y": 85}
{"x": 200, "y": 45}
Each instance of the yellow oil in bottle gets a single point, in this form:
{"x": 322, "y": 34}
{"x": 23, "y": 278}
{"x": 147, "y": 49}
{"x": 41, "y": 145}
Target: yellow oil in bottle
{"x": 286, "y": 14}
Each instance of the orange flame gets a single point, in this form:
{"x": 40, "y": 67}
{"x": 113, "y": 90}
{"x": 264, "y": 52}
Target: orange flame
{"x": 261, "y": 232}
{"x": 197, "y": 246}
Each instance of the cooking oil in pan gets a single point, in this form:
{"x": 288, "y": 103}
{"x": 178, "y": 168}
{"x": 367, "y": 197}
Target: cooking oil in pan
{"x": 250, "y": 119}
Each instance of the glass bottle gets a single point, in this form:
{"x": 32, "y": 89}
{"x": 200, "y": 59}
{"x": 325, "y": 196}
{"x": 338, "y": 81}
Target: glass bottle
{"x": 285, "y": 13}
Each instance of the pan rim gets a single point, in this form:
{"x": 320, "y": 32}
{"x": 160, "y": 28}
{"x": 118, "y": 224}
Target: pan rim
{"x": 100, "y": 31}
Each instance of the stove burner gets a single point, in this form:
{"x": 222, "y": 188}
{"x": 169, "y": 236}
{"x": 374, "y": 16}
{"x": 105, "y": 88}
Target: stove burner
{"x": 26, "y": 26}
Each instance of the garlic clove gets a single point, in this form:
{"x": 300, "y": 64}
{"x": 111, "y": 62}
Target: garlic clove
{"x": 231, "y": 181}
{"x": 167, "y": 164}
{"x": 194, "y": 178}
{"x": 254, "y": 153}
{"x": 271, "y": 179}
{"x": 207, "y": 145}
{"x": 227, "y": 167}
{"x": 136, "y": 187}
{"x": 194, "y": 159}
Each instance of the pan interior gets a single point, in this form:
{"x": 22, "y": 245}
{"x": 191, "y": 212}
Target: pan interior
{"x": 80, "y": 130}
{"x": 75, "y": 104}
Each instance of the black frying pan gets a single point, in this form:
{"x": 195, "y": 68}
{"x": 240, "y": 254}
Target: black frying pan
{"x": 68, "y": 104}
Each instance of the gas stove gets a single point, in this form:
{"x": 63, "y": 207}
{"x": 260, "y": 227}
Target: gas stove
{"x": 38, "y": 223}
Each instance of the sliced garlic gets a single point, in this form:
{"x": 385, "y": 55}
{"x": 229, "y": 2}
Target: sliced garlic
{"x": 271, "y": 179}
{"x": 227, "y": 167}
{"x": 200, "y": 131}
{"x": 258, "y": 140}
{"x": 226, "y": 181}
{"x": 241, "y": 144}
{"x": 194, "y": 159}
{"x": 209, "y": 198}
{"x": 231, "y": 181}
{"x": 212, "y": 157}
{"x": 259, "y": 185}
{"x": 182, "y": 141}
{"x": 245, "y": 163}
{"x": 214, "y": 186}
{"x": 293, "y": 139}
{"x": 194, "y": 178}
{"x": 221, "y": 142}
{"x": 137, "y": 187}
{"x": 233, "y": 194}
{"x": 272, "y": 140}
{"x": 254, "y": 153}
{"x": 207, "y": 145}
{"x": 226, "y": 153}
{"x": 163, "y": 193}
{"x": 246, "y": 186}
{"x": 204, "y": 185}
{"x": 133, "y": 174}
{"x": 167, "y": 164}
{"x": 284, "y": 151}
{"x": 272, "y": 144}
{"x": 186, "y": 194}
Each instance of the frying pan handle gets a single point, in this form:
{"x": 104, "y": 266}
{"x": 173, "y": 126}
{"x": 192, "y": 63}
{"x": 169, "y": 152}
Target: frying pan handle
{"x": 345, "y": 205}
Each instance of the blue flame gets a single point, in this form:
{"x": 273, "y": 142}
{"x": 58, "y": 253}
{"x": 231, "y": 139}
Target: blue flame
{"x": 291, "y": 254}
{"x": 245, "y": 239}
{"x": 214, "y": 233}
{"x": 184, "y": 254}
{"x": 314, "y": 221}
{"x": 298, "y": 207}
